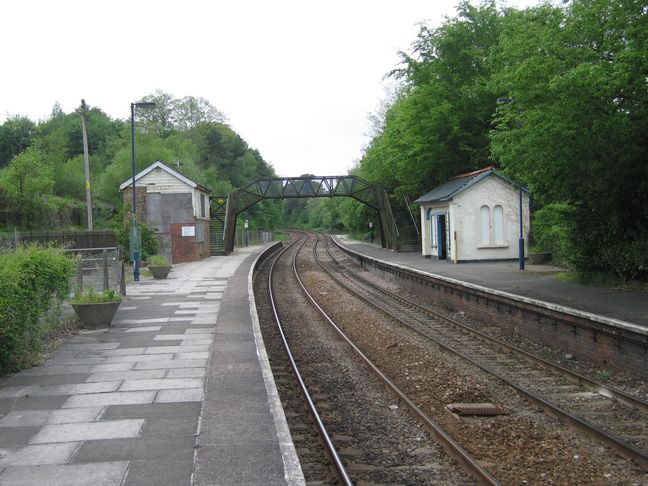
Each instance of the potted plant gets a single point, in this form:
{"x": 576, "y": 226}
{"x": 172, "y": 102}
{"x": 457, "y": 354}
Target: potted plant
{"x": 159, "y": 266}
{"x": 96, "y": 309}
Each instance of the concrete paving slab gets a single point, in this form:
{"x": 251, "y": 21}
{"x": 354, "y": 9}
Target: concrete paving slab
{"x": 113, "y": 429}
{"x": 137, "y": 358}
{"x": 31, "y": 403}
{"x": 177, "y": 349}
{"x": 75, "y": 347}
{"x": 110, "y": 367}
{"x": 17, "y": 436}
{"x": 41, "y": 454}
{"x": 51, "y": 390}
{"x": 141, "y": 448}
{"x": 103, "y": 474}
{"x": 57, "y": 370}
{"x": 206, "y": 330}
{"x": 182, "y": 304}
{"x": 181, "y": 395}
{"x": 105, "y": 399}
{"x": 194, "y": 355}
{"x": 126, "y": 375}
{"x": 197, "y": 341}
{"x": 46, "y": 379}
{"x": 169, "y": 337}
{"x": 67, "y": 360}
{"x": 170, "y": 426}
{"x": 154, "y": 410}
{"x": 67, "y": 416}
{"x": 186, "y": 373}
{"x": 124, "y": 351}
{"x": 26, "y": 418}
{"x": 161, "y": 384}
{"x": 171, "y": 363}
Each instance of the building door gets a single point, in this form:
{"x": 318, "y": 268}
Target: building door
{"x": 441, "y": 237}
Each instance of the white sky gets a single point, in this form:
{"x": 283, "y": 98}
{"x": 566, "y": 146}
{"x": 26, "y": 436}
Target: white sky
{"x": 296, "y": 79}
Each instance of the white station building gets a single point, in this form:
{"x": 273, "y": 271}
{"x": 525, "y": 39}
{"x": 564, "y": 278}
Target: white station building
{"x": 474, "y": 217}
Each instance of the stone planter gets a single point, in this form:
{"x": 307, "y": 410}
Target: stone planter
{"x": 96, "y": 315}
{"x": 159, "y": 272}
{"x": 539, "y": 258}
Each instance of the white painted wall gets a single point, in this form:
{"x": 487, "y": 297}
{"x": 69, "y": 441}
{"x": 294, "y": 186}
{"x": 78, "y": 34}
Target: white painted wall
{"x": 159, "y": 180}
{"x": 465, "y": 224}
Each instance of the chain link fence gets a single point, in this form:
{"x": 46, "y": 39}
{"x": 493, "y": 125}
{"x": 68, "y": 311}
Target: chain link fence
{"x": 99, "y": 269}
{"x": 253, "y": 237}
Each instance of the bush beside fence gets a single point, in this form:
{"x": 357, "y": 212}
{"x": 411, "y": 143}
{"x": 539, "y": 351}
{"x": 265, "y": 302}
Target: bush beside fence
{"x": 33, "y": 279}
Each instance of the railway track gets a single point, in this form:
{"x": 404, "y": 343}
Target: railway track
{"x": 369, "y": 436}
{"x": 617, "y": 419}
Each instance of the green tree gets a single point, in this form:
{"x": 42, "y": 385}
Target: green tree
{"x": 24, "y": 183}
{"x": 578, "y": 130}
{"x": 16, "y": 134}
{"x": 439, "y": 122}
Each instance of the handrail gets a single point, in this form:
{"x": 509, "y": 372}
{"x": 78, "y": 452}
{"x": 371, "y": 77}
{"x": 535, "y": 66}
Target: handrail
{"x": 414, "y": 220}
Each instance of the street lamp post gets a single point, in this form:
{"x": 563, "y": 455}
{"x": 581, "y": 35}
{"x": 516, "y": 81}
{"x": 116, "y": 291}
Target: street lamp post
{"x": 134, "y": 236}
{"x": 521, "y": 241}
{"x": 507, "y": 101}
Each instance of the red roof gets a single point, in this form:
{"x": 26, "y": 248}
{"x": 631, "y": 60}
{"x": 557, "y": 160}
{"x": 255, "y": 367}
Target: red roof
{"x": 473, "y": 173}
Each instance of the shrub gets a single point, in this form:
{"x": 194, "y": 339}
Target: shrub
{"x": 91, "y": 296}
{"x": 550, "y": 230}
{"x": 32, "y": 278}
{"x": 121, "y": 226}
{"x": 158, "y": 260}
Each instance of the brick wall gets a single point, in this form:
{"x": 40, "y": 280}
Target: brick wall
{"x": 607, "y": 346}
{"x": 184, "y": 247}
{"x": 127, "y": 197}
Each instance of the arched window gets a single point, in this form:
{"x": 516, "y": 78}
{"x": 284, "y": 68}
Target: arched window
{"x": 498, "y": 225}
{"x": 484, "y": 225}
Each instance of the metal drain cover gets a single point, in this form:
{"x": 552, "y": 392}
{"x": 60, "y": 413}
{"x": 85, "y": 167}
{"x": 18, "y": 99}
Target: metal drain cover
{"x": 476, "y": 409}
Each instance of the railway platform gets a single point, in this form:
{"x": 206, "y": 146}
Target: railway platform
{"x": 535, "y": 282}
{"x": 178, "y": 391}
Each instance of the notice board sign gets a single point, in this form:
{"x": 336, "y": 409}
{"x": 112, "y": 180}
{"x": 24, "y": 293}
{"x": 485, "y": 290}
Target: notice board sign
{"x": 188, "y": 231}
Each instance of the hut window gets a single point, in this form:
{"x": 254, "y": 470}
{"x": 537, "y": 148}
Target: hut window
{"x": 484, "y": 225}
{"x": 498, "y": 224}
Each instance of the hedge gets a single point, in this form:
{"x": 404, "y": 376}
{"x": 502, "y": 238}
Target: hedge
{"x": 32, "y": 278}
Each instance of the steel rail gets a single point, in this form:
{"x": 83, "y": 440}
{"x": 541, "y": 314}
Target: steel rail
{"x": 600, "y": 388}
{"x": 453, "y": 448}
{"x": 622, "y": 447}
{"x": 338, "y": 466}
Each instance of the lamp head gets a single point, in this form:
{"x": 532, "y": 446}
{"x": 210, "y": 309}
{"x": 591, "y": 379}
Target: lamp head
{"x": 145, "y": 104}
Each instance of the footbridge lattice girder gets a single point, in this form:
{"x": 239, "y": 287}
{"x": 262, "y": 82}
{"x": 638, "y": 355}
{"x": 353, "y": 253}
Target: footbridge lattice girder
{"x": 305, "y": 187}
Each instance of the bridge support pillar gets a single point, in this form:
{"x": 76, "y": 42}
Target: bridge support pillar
{"x": 387, "y": 224}
{"x": 231, "y": 212}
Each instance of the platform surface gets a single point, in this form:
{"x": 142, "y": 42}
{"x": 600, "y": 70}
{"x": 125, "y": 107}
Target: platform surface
{"x": 175, "y": 393}
{"x": 535, "y": 282}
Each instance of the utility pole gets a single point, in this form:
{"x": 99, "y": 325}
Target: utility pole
{"x": 86, "y": 164}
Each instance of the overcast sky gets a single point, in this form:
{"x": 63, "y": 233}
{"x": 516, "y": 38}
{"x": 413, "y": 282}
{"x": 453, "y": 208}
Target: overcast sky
{"x": 296, "y": 79}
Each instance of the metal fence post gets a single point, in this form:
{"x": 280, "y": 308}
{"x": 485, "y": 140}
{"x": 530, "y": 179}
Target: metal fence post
{"x": 106, "y": 282}
{"x": 79, "y": 270}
